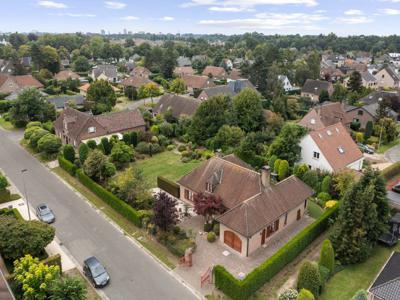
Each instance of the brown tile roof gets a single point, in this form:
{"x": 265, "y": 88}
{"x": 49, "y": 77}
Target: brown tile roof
{"x": 214, "y": 71}
{"x": 254, "y": 214}
{"x": 180, "y": 71}
{"x": 235, "y": 74}
{"x": 86, "y": 87}
{"x": 237, "y": 161}
{"x": 325, "y": 115}
{"x": 140, "y": 72}
{"x": 237, "y": 183}
{"x": 197, "y": 82}
{"x": 136, "y": 82}
{"x": 27, "y": 81}
{"x": 121, "y": 121}
{"x": 179, "y": 105}
{"x": 315, "y": 87}
{"x": 65, "y": 74}
{"x": 337, "y": 146}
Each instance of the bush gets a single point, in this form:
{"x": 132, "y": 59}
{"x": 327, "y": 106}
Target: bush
{"x": 50, "y": 144}
{"x": 106, "y": 146}
{"x": 276, "y": 165}
{"x": 5, "y": 196}
{"x": 181, "y": 148}
{"x": 305, "y": 295}
{"x": 33, "y": 124}
{"x": 54, "y": 260}
{"x": 48, "y": 126}
{"x": 91, "y": 144}
{"x": 330, "y": 203}
{"x": 309, "y": 278}
{"x": 134, "y": 138}
{"x": 207, "y": 227}
{"x": 36, "y": 136}
{"x": 243, "y": 289}
{"x": 5, "y": 106}
{"x": 326, "y": 184}
{"x": 324, "y": 197}
{"x": 216, "y": 228}
{"x": 391, "y": 171}
{"x": 170, "y": 147}
{"x": 29, "y": 132}
{"x": 168, "y": 186}
{"x": 360, "y": 295}
{"x": 69, "y": 153}
{"x": 3, "y": 182}
{"x": 327, "y": 256}
{"x": 359, "y": 137}
{"x": 355, "y": 125}
{"x": 83, "y": 152}
{"x": 369, "y": 128}
{"x": 147, "y": 148}
{"x": 67, "y": 165}
{"x": 117, "y": 204}
{"x": 324, "y": 274}
{"x": 283, "y": 169}
{"x": 211, "y": 237}
{"x": 289, "y": 294}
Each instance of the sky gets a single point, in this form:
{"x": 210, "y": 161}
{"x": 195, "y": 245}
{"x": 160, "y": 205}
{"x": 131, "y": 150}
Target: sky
{"x": 342, "y": 17}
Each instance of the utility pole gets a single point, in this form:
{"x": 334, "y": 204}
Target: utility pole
{"x": 23, "y": 171}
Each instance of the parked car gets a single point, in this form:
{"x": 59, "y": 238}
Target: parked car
{"x": 365, "y": 148}
{"x": 95, "y": 271}
{"x": 45, "y": 214}
{"x": 396, "y": 187}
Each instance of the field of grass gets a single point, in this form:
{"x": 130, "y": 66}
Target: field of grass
{"x": 314, "y": 209}
{"x": 344, "y": 284}
{"x": 167, "y": 164}
{"x": 6, "y": 124}
{"x": 129, "y": 228}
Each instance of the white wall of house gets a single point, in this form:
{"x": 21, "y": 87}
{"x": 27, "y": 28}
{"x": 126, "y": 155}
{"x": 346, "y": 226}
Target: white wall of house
{"x": 308, "y": 147}
{"x": 385, "y": 80}
{"x": 357, "y": 165}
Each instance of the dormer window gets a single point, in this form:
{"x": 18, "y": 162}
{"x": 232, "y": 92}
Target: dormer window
{"x": 92, "y": 129}
{"x": 312, "y": 121}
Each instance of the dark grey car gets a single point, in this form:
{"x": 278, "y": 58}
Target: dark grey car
{"x": 45, "y": 214}
{"x": 95, "y": 271}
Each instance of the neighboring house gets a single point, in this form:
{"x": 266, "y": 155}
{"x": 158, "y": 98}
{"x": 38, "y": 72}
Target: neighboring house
{"x": 74, "y": 127}
{"x": 26, "y": 61}
{"x": 234, "y": 74}
{"x": 330, "y": 149}
{"x": 326, "y": 114}
{"x": 14, "y": 95}
{"x": 105, "y": 72}
{"x": 217, "y": 90}
{"x": 84, "y": 89}
{"x": 136, "y": 82}
{"x": 386, "y": 285}
{"x": 368, "y": 80}
{"x": 65, "y": 63}
{"x": 195, "y": 83}
{"x": 178, "y": 105}
{"x": 11, "y": 84}
{"x": 227, "y": 63}
{"x": 256, "y": 208}
{"x": 218, "y": 73}
{"x": 6, "y": 66}
{"x": 287, "y": 86}
{"x": 129, "y": 66}
{"x": 331, "y": 74}
{"x": 61, "y": 102}
{"x": 313, "y": 88}
{"x": 388, "y": 78}
{"x": 182, "y": 71}
{"x": 183, "y": 61}
{"x": 140, "y": 72}
{"x": 239, "y": 85}
{"x": 65, "y": 74}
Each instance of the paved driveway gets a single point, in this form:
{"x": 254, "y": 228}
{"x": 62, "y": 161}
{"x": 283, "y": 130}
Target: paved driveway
{"x": 393, "y": 154}
{"x": 134, "y": 274}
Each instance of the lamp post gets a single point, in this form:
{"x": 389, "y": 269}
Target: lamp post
{"x": 25, "y": 192}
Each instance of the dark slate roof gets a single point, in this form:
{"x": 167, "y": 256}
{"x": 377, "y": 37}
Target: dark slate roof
{"x": 179, "y": 105}
{"x": 392, "y": 73}
{"x": 109, "y": 70}
{"x": 376, "y": 96}
{"x": 62, "y": 101}
{"x": 387, "y": 285}
{"x": 240, "y": 84}
{"x": 219, "y": 89}
{"x": 315, "y": 86}
{"x": 368, "y": 77}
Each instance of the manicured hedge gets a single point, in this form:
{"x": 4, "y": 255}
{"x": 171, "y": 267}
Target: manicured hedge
{"x": 67, "y": 165}
{"x": 391, "y": 171}
{"x": 243, "y": 289}
{"x": 54, "y": 260}
{"x": 117, "y": 204}
{"x": 168, "y": 186}
{"x": 5, "y": 196}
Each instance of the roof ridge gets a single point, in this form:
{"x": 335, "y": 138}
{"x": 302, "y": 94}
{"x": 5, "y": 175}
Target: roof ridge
{"x": 222, "y": 158}
{"x": 386, "y": 283}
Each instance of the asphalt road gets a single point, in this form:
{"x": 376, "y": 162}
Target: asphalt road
{"x": 134, "y": 274}
{"x": 393, "y": 154}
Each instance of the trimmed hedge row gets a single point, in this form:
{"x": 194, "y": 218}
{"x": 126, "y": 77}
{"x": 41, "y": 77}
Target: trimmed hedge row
{"x": 5, "y": 196}
{"x": 391, "y": 171}
{"x": 168, "y": 186}
{"x": 117, "y": 204}
{"x": 67, "y": 165}
{"x": 243, "y": 289}
{"x": 54, "y": 260}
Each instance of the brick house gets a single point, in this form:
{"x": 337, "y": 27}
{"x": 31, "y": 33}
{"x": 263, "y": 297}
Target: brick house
{"x": 313, "y": 88}
{"x": 256, "y": 207}
{"x": 10, "y": 84}
{"x": 388, "y": 78}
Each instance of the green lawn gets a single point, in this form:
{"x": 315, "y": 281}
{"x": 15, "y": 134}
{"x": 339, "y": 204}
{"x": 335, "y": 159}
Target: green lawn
{"x": 386, "y": 147}
{"x": 6, "y": 124}
{"x": 167, "y": 164}
{"x": 314, "y": 209}
{"x": 346, "y": 283}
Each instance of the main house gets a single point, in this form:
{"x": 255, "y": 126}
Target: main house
{"x": 74, "y": 127}
{"x": 313, "y": 88}
{"x": 330, "y": 149}
{"x": 256, "y": 208}
{"x": 178, "y": 105}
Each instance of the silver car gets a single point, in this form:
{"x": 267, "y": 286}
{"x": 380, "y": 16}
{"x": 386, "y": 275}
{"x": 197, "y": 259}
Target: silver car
{"x": 45, "y": 214}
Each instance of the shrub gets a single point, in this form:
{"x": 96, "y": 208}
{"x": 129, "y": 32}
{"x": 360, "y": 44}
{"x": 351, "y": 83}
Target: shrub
{"x": 121, "y": 154}
{"x": 326, "y": 184}
{"x": 181, "y": 148}
{"x": 117, "y": 204}
{"x": 169, "y": 186}
{"x": 106, "y": 146}
{"x": 391, "y": 171}
{"x": 48, "y": 126}
{"x": 283, "y": 169}
{"x": 83, "y": 152}
{"x": 91, "y": 144}
{"x": 216, "y": 228}
{"x": 134, "y": 138}
{"x": 33, "y": 124}
{"x": 309, "y": 278}
{"x": 271, "y": 161}
{"x": 211, "y": 237}
{"x": 243, "y": 289}
{"x": 324, "y": 274}
{"x": 147, "y": 148}
{"x": 54, "y": 260}
{"x": 170, "y": 147}
{"x": 29, "y": 131}
{"x": 369, "y": 128}
{"x": 49, "y": 144}
{"x": 305, "y": 295}
{"x": 360, "y": 295}
{"x": 311, "y": 178}
{"x": 300, "y": 170}
{"x": 69, "y": 153}
{"x": 67, "y": 165}
{"x": 355, "y": 125}
{"x": 109, "y": 169}
{"x": 327, "y": 256}
{"x": 36, "y": 136}
{"x": 324, "y": 196}
{"x": 207, "y": 227}
{"x": 276, "y": 165}
{"x": 3, "y": 182}
{"x": 289, "y": 294}
{"x": 359, "y": 137}
{"x": 330, "y": 203}
{"x": 126, "y": 137}
{"x": 5, "y": 106}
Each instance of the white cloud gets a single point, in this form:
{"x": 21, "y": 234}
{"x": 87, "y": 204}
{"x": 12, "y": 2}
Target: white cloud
{"x": 354, "y": 20}
{"x": 51, "y": 4}
{"x": 130, "y": 18}
{"x": 390, "y": 11}
{"x": 353, "y": 12}
{"x": 168, "y": 19}
{"x": 229, "y": 9}
{"x": 248, "y": 3}
{"x": 115, "y": 5}
{"x": 271, "y": 21}
{"x": 74, "y": 15}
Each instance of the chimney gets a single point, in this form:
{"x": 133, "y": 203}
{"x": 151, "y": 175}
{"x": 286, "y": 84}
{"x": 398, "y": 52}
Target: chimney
{"x": 266, "y": 176}
{"x": 218, "y": 153}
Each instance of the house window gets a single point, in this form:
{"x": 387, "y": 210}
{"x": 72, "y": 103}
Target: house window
{"x": 188, "y": 195}
{"x": 285, "y": 219}
{"x": 209, "y": 187}
{"x": 92, "y": 129}
{"x": 305, "y": 204}
{"x": 316, "y": 155}
{"x": 360, "y": 113}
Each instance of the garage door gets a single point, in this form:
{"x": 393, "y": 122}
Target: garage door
{"x": 233, "y": 241}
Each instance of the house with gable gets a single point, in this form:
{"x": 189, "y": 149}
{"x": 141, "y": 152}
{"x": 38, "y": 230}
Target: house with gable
{"x": 388, "y": 78}
{"x": 331, "y": 149}
{"x": 11, "y": 84}
{"x": 313, "y": 88}
{"x": 217, "y": 73}
{"x": 256, "y": 208}
{"x": 105, "y": 72}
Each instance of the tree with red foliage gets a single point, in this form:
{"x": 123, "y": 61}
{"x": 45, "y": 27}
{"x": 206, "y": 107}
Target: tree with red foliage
{"x": 208, "y": 205}
{"x": 165, "y": 212}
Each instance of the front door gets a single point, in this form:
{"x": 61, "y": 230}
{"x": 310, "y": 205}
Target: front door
{"x": 298, "y": 214}
{"x": 263, "y": 237}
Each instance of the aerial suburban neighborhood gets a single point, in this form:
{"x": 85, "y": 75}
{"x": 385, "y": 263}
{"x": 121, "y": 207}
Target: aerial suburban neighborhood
{"x": 200, "y": 149}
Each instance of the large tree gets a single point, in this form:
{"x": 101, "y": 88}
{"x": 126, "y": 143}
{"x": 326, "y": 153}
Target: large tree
{"x": 81, "y": 64}
{"x": 101, "y": 97}
{"x": 248, "y": 110}
{"x": 165, "y": 211}
{"x": 355, "y": 82}
{"x": 228, "y": 137}
{"x": 208, "y": 205}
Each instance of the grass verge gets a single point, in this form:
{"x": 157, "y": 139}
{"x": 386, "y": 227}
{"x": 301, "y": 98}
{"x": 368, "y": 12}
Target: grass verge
{"x": 385, "y": 147}
{"x": 6, "y": 124}
{"x": 130, "y": 229}
{"x": 40, "y": 156}
{"x": 314, "y": 209}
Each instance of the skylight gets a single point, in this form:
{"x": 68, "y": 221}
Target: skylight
{"x": 341, "y": 150}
